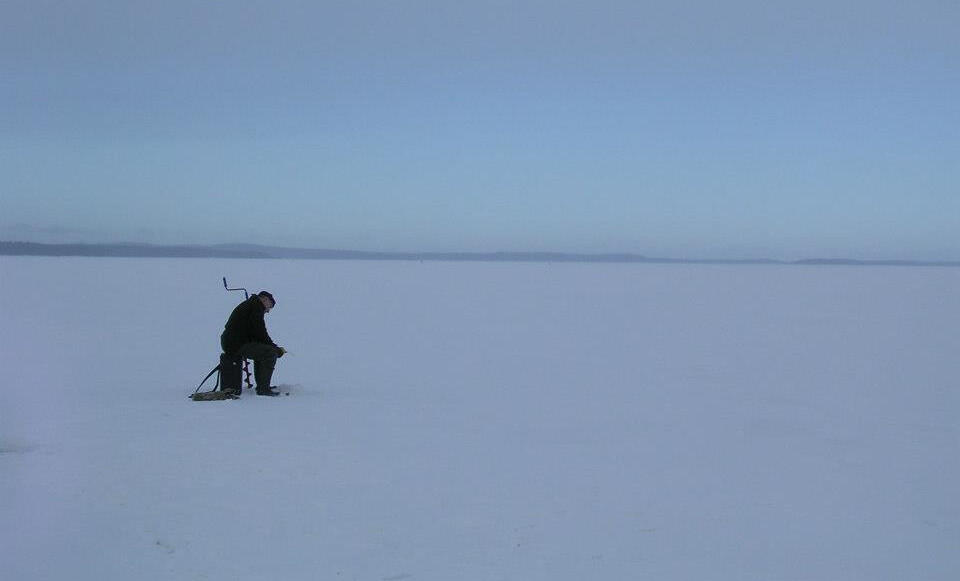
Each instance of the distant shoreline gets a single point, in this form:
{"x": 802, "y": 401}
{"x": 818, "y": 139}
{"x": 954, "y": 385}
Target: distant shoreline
{"x": 131, "y": 250}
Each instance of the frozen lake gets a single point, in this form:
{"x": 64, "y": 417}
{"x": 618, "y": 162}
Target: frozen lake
{"x": 482, "y": 421}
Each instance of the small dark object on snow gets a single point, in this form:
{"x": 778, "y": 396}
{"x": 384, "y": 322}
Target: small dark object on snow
{"x": 213, "y": 396}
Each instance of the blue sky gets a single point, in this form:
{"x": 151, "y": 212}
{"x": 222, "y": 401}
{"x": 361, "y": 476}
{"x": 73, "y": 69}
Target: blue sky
{"x": 697, "y": 129}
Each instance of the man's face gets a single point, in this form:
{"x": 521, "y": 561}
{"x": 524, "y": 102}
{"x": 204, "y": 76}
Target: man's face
{"x": 267, "y": 303}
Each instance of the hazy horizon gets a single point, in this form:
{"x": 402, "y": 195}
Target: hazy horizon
{"x": 64, "y": 236}
{"x": 131, "y": 249}
{"x": 742, "y": 130}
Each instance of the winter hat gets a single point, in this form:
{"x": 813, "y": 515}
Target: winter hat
{"x": 269, "y": 296}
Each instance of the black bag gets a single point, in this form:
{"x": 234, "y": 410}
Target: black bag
{"x": 231, "y": 373}
{"x": 229, "y": 380}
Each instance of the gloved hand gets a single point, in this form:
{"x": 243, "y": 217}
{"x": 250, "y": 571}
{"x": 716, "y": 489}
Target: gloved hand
{"x": 280, "y": 352}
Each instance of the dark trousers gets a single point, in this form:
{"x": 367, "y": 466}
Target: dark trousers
{"x": 264, "y": 360}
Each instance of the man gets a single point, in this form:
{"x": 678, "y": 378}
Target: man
{"x": 245, "y": 337}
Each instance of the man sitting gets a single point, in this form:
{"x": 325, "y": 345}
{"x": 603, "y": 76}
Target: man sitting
{"x": 245, "y": 337}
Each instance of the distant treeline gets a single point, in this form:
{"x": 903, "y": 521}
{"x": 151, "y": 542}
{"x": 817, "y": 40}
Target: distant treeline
{"x": 254, "y": 251}
{"x": 122, "y": 250}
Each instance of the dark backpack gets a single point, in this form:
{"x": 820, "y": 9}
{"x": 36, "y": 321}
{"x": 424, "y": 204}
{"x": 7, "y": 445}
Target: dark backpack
{"x": 231, "y": 373}
{"x": 229, "y": 380}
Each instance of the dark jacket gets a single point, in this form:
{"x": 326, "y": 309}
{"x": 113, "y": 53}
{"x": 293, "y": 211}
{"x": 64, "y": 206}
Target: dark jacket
{"x": 245, "y": 325}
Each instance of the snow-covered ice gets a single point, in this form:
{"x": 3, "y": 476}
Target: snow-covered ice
{"x": 482, "y": 421}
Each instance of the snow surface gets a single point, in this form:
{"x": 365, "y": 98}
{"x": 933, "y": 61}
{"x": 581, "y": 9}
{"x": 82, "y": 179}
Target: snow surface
{"x": 465, "y": 421}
